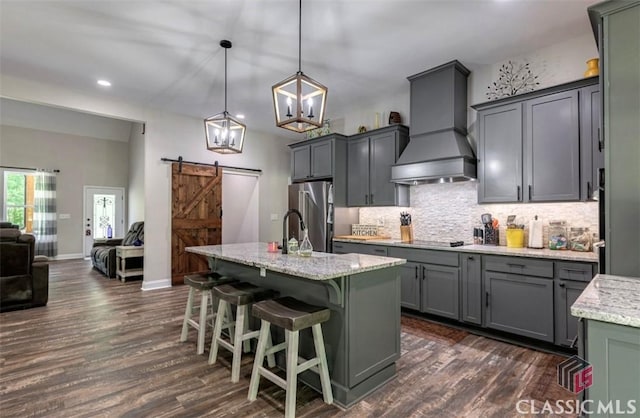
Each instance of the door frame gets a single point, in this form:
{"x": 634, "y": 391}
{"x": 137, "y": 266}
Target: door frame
{"x": 84, "y": 211}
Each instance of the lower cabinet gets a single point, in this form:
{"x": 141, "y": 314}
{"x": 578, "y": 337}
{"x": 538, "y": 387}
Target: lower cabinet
{"x": 410, "y": 285}
{"x": 614, "y": 353}
{"x": 440, "y": 292}
{"x": 430, "y": 281}
{"x": 518, "y": 304}
{"x": 471, "y": 288}
{"x": 566, "y": 293}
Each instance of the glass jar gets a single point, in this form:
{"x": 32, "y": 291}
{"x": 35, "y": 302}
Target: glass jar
{"x": 305, "y": 247}
{"x": 580, "y": 239}
{"x": 558, "y": 239}
{"x": 292, "y": 246}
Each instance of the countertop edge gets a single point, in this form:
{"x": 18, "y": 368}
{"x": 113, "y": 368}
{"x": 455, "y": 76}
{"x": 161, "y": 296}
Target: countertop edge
{"x": 586, "y": 257}
{"x": 611, "y": 299}
{"x": 393, "y": 262}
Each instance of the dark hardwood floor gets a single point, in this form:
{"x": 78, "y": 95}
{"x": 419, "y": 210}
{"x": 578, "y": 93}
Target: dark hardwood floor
{"x": 105, "y": 348}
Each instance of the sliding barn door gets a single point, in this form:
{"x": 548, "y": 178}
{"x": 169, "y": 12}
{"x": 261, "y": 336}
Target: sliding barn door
{"x": 196, "y": 217}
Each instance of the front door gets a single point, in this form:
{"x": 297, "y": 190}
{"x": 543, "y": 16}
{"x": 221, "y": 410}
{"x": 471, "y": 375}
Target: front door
{"x": 103, "y": 212}
{"x": 196, "y": 216}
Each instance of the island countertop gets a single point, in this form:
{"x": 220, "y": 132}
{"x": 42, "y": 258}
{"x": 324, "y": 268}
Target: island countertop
{"x": 613, "y": 299}
{"x": 320, "y": 266}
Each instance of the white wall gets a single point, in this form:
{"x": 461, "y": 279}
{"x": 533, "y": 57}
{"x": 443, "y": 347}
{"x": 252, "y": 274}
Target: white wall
{"x": 135, "y": 192}
{"x": 170, "y": 135}
{"x": 81, "y": 161}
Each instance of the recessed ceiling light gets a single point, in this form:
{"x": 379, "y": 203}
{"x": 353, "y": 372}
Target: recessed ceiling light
{"x": 240, "y": 116}
{"x": 104, "y": 83}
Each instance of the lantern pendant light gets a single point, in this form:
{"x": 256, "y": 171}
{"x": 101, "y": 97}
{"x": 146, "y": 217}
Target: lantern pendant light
{"x": 225, "y": 134}
{"x": 299, "y": 101}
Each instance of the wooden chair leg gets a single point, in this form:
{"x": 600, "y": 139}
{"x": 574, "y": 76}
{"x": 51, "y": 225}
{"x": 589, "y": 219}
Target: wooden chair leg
{"x": 292, "y": 374}
{"x": 202, "y": 326}
{"x": 265, "y": 336}
{"x": 271, "y": 358}
{"x": 217, "y": 330}
{"x": 187, "y": 316}
{"x": 323, "y": 368}
{"x": 237, "y": 343}
{"x": 246, "y": 344}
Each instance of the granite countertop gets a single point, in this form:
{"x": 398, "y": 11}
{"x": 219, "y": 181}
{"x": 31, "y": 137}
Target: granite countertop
{"x": 320, "y": 266}
{"x": 486, "y": 249}
{"x": 613, "y": 299}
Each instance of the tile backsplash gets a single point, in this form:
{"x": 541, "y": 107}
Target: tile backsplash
{"x": 449, "y": 212}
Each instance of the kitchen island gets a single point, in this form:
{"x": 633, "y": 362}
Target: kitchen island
{"x": 610, "y": 340}
{"x": 362, "y": 337}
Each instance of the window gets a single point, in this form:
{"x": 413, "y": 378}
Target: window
{"x": 19, "y": 203}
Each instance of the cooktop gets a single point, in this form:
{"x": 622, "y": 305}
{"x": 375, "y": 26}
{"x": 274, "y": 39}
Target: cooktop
{"x": 438, "y": 243}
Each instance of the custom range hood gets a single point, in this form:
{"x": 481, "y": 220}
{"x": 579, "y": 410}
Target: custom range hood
{"x": 438, "y": 150}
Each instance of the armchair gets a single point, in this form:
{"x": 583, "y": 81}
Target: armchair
{"x": 103, "y": 253}
{"x": 24, "y": 282}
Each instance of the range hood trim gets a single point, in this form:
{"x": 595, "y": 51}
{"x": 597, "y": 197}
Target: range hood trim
{"x": 444, "y": 170}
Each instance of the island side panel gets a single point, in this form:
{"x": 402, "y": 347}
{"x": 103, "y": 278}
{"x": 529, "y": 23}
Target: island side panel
{"x": 370, "y": 317}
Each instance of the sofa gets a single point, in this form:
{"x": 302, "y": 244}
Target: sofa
{"x": 103, "y": 252}
{"x": 24, "y": 278}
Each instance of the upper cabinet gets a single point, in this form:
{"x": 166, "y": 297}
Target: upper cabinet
{"x": 370, "y": 157}
{"x": 322, "y": 158}
{"x": 591, "y": 142}
{"x": 534, "y": 147}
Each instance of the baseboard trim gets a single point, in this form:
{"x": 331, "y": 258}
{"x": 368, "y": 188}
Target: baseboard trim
{"x": 67, "y": 257}
{"x": 155, "y": 284}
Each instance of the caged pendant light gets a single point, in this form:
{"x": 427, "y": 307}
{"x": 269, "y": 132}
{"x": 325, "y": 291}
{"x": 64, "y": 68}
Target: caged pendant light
{"x": 299, "y": 101}
{"x": 225, "y": 134}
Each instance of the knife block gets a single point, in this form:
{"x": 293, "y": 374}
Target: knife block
{"x": 406, "y": 233}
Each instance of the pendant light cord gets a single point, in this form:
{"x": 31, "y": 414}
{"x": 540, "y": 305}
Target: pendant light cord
{"x": 300, "y": 37}
{"x": 225, "y": 80}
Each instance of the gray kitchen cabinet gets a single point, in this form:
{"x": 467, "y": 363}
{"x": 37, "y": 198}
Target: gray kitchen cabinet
{"x": 529, "y": 146}
{"x": 519, "y": 296}
{"x": 552, "y": 148}
{"x": 615, "y": 25}
{"x": 570, "y": 279}
{"x": 591, "y": 142}
{"x": 471, "y": 288}
{"x": 370, "y": 157}
{"x": 440, "y": 292}
{"x": 614, "y": 353}
{"x": 322, "y": 158}
{"x": 438, "y": 283}
{"x": 500, "y": 154}
{"x": 519, "y": 304}
{"x": 350, "y": 247}
{"x": 410, "y": 285}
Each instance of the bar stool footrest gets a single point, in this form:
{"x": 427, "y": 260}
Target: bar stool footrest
{"x": 267, "y": 374}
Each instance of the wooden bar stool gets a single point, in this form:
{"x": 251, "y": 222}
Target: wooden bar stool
{"x": 242, "y": 295}
{"x": 204, "y": 284}
{"x": 292, "y": 315}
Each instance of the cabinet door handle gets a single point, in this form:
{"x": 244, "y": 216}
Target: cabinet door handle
{"x": 588, "y": 189}
{"x": 378, "y": 250}
{"x": 470, "y": 257}
{"x": 371, "y": 198}
{"x": 600, "y": 142}
{"x": 518, "y": 192}
{"x": 515, "y": 265}
{"x": 529, "y": 192}
{"x": 486, "y": 299}
{"x": 561, "y": 284}
{"x": 416, "y": 272}
{"x": 366, "y": 199}
{"x": 424, "y": 272}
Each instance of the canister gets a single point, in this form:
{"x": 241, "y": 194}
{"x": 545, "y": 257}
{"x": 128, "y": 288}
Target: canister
{"x": 515, "y": 237}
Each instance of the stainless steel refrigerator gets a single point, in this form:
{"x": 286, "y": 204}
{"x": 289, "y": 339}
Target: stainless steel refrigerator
{"x": 314, "y": 200}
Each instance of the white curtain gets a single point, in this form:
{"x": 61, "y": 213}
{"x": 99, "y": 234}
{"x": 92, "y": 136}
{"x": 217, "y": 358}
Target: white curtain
{"x": 45, "y": 227}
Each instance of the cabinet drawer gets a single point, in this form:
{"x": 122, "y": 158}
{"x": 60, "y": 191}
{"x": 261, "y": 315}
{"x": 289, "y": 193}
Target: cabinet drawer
{"x": 518, "y": 265}
{"x": 582, "y": 272}
{"x": 348, "y": 247}
{"x": 442, "y": 258}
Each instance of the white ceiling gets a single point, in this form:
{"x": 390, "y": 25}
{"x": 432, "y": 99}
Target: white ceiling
{"x": 166, "y": 54}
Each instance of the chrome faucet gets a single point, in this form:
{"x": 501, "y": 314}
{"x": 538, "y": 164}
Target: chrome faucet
{"x": 284, "y": 228}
